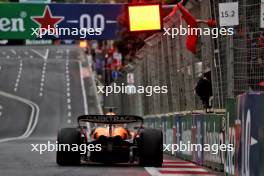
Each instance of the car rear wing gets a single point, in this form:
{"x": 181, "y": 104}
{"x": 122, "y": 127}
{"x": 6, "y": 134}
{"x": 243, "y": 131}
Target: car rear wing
{"x": 110, "y": 119}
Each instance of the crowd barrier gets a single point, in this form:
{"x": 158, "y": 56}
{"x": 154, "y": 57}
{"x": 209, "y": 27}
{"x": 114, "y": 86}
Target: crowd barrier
{"x": 242, "y": 126}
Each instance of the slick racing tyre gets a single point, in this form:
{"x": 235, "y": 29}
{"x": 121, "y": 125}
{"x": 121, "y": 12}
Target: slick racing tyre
{"x": 151, "y": 148}
{"x": 69, "y": 137}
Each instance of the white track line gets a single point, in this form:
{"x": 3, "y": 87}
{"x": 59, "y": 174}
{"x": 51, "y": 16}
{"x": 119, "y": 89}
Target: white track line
{"x": 183, "y": 169}
{"x": 153, "y": 171}
{"x": 43, "y": 56}
{"x": 13, "y": 51}
{"x": 43, "y": 72}
{"x": 42, "y": 80}
{"x": 18, "y": 75}
{"x": 59, "y": 51}
{"x": 68, "y": 89}
{"x": 34, "y": 116}
{"x": 179, "y": 164}
{"x": 58, "y": 57}
{"x": 83, "y": 90}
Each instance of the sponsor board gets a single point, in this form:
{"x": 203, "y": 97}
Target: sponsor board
{"x": 249, "y": 117}
{"x": 152, "y": 122}
{"x": 197, "y": 137}
{"x": 213, "y": 134}
{"x": 164, "y": 128}
{"x": 242, "y": 126}
{"x": 169, "y": 138}
{"x": 178, "y": 130}
{"x": 186, "y": 135}
{"x": 231, "y": 137}
{"x": 24, "y": 18}
{"x": 158, "y": 123}
{"x": 174, "y": 130}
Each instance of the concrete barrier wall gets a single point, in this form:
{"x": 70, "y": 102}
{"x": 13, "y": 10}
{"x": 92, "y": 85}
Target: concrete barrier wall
{"x": 241, "y": 125}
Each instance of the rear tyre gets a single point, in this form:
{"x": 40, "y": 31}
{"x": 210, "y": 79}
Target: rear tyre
{"x": 70, "y": 137}
{"x": 151, "y": 148}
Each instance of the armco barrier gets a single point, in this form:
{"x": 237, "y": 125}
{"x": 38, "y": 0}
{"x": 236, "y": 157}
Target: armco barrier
{"x": 242, "y": 126}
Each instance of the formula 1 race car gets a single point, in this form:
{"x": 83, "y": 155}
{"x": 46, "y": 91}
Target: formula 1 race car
{"x": 116, "y": 139}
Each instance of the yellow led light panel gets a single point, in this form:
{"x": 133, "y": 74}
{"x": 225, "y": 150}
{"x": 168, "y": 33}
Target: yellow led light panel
{"x": 144, "y": 17}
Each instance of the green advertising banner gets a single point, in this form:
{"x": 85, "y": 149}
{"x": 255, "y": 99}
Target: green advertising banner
{"x": 16, "y": 20}
{"x": 214, "y": 136}
{"x": 231, "y": 134}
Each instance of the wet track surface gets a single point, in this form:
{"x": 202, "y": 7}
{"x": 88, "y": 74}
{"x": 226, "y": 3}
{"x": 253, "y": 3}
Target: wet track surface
{"x": 19, "y": 160}
{"x": 51, "y": 78}
{"x": 41, "y": 90}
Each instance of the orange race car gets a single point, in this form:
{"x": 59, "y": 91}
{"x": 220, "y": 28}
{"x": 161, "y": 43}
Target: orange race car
{"x": 118, "y": 138}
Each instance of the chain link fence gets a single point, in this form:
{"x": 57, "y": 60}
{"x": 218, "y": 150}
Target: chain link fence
{"x": 234, "y": 62}
{"x": 239, "y": 58}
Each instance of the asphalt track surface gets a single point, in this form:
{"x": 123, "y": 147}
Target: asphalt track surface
{"x": 43, "y": 89}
